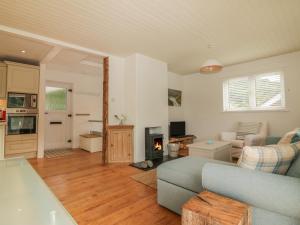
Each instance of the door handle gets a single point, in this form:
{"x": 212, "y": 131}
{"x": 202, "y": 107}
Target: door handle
{"x": 55, "y": 122}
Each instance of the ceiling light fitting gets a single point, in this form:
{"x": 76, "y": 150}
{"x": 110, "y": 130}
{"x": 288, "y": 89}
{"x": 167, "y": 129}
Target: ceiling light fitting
{"x": 211, "y": 66}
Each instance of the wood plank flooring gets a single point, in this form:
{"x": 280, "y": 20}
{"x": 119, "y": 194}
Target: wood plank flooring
{"x": 95, "y": 194}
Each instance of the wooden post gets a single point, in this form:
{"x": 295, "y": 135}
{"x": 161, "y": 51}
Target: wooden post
{"x": 208, "y": 208}
{"x": 105, "y": 109}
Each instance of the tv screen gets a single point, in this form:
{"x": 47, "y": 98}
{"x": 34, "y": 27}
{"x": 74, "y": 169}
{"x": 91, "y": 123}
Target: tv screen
{"x": 177, "y": 129}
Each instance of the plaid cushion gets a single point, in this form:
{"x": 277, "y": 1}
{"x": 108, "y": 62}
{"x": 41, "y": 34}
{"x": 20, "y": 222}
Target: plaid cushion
{"x": 271, "y": 159}
{"x": 245, "y": 128}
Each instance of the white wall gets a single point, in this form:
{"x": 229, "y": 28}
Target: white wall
{"x": 116, "y": 88}
{"x": 87, "y": 98}
{"x": 175, "y": 81}
{"x": 130, "y": 89}
{"x": 146, "y": 98}
{"x": 203, "y": 98}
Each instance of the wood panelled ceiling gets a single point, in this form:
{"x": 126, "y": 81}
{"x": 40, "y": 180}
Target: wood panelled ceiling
{"x": 175, "y": 31}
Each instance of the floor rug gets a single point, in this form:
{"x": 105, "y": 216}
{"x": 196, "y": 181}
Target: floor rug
{"x": 148, "y": 178}
{"x": 58, "y": 153}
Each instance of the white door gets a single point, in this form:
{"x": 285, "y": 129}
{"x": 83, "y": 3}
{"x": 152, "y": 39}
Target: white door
{"x": 58, "y": 118}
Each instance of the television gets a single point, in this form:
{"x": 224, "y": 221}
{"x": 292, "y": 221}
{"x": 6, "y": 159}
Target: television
{"x": 177, "y": 129}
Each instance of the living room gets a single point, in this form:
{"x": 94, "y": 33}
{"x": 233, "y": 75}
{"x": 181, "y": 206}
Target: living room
{"x": 225, "y": 73}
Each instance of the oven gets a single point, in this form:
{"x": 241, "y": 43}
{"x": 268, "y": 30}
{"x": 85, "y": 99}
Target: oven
{"x": 21, "y": 101}
{"x": 21, "y": 123}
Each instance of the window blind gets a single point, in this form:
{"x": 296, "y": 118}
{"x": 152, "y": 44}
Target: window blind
{"x": 257, "y": 92}
{"x": 268, "y": 91}
{"x": 238, "y": 93}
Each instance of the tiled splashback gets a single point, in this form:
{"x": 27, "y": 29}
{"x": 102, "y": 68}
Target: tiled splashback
{"x": 2, "y": 103}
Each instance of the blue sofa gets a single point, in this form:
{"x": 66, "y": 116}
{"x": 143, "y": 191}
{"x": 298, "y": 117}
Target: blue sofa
{"x": 275, "y": 198}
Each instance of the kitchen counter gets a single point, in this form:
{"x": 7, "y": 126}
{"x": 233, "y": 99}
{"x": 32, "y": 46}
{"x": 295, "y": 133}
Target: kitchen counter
{"x": 25, "y": 198}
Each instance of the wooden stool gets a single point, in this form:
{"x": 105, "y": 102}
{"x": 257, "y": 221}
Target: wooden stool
{"x": 208, "y": 208}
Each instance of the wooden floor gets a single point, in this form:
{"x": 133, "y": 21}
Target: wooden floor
{"x": 96, "y": 194}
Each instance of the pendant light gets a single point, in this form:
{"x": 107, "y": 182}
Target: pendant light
{"x": 211, "y": 66}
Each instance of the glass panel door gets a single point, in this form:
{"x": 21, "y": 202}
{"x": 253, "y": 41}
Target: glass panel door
{"x": 56, "y": 99}
{"x": 58, "y": 118}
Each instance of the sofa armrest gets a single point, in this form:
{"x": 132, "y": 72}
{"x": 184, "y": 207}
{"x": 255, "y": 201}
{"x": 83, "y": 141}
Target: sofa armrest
{"x": 254, "y": 140}
{"x": 276, "y": 193}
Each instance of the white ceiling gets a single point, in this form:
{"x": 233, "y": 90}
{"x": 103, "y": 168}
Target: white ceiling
{"x": 11, "y": 47}
{"x": 66, "y": 60}
{"x": 175, "y": 31}
{"x": 72, "y": 61}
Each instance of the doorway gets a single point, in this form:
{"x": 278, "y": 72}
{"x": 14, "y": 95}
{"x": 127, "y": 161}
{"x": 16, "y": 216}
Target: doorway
{"x": 58, "y": 116}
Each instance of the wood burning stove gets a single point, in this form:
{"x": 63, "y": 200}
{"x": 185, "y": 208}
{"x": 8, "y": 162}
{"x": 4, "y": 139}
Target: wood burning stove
{"x": 153, "y": 144}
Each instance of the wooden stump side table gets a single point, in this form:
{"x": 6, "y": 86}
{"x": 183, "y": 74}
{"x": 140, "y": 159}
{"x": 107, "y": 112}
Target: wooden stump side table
{"x": 208, "y": 208}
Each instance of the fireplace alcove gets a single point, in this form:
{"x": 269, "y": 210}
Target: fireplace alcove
{"x": 154, "y": 147}
{"x": 154, "y": 150}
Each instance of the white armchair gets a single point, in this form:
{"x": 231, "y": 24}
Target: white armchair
{"x": 246, "y": 134}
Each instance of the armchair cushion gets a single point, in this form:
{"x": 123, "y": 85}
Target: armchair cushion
{"x": 246, "y": 128}
{"x": 272, "y": 159}
{"x": 228, "y": 136}
{"x": 254, "y": 140}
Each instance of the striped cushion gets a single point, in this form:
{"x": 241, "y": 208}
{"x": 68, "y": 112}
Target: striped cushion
{"x": 245, "y": 128}
{"x": 271, "y": 159}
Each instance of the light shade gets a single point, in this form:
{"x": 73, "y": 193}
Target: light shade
{"x": 211, "y": 66}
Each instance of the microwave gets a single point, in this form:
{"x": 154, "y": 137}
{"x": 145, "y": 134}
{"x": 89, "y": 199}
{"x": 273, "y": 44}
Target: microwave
{"x": 21, "y": 101}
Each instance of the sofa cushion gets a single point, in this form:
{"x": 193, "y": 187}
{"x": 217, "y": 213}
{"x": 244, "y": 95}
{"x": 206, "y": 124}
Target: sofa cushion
{"x": 262, "y": 216}
{"x": 185, "y": 172}
{"x": 294, "y": 170}
{"x": 288, "y": 137}
{"x": 296, "y": 137}
{"x": 272, "y": 159}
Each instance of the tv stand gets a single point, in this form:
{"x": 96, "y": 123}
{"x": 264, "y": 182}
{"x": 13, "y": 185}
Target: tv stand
{"x": 183, "y": 141}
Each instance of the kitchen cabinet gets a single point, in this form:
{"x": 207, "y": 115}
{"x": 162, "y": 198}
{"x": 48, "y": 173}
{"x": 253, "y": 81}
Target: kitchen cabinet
{"x": 2, "y": 133}
{"x": 22, "y": 78}
{"x": 25, "y": 144}
{"x": 2, "y": 80}
{"x": 120, "y": 143}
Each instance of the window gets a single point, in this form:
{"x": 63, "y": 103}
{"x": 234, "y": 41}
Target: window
{"x": 56, "y": 99}
{"x": 258, "y": 92}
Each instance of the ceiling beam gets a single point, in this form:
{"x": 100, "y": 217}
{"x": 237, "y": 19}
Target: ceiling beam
{"x": 51, "y": 54}
{"x": 51, "y": 41}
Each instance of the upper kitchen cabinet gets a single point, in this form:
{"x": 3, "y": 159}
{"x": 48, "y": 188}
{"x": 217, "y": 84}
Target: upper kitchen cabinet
{"x": 2, "y": 80}
{"x": 22, "y": 78}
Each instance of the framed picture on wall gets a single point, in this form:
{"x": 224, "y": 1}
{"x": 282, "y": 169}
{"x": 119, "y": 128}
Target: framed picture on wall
{"x": 174, "y": 97}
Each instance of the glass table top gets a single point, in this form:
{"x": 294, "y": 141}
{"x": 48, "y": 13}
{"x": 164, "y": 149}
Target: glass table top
{"x": 25, "y": 199}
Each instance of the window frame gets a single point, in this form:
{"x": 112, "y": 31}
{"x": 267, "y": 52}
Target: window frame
{"x": 66, "y": 101}
{"x": 252, "y": 93}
